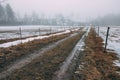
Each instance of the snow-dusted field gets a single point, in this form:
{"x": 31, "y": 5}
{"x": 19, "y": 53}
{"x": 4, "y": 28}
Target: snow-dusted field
{"x": 8, "y": 44}
{"x": 114, "y": 38}
{"x": 7, "y": 32}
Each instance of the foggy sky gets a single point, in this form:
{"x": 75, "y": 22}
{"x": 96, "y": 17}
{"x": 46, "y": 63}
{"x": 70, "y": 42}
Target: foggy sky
{"x": 79, "y": 9}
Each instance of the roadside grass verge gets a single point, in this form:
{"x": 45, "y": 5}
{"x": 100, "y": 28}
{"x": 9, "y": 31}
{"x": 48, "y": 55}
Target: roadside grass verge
{"x": 96, "y": 64}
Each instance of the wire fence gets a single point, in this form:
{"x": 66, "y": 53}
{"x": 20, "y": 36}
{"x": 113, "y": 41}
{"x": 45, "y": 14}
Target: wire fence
{"x": 21, "y": 32}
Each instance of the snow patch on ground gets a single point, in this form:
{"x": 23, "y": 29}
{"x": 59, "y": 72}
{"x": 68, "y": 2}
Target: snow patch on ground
{"x": 113, "y": 39}
{"x": 8, "y": 44}
{"x": 117, "y": 63}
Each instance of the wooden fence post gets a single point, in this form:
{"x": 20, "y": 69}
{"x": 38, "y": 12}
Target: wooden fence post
{"x": 20, "y": 33}
{"x": 39, "y": 32}
{"x": 98, "y": 30}
{"x": 50, "y": 30}
{"x": 106, "y": 42}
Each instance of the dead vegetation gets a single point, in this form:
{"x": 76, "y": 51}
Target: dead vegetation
{"x": 95, "y": 64}
{"x": 44, "y": 67}
{"x": 14, "y": 52}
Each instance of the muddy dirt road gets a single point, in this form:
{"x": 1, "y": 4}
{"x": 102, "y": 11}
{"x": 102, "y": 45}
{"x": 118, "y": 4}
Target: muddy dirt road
{"x": 28, "y": 58}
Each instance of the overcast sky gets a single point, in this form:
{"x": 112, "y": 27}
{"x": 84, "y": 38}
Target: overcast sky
{"x": 80, "y": 9}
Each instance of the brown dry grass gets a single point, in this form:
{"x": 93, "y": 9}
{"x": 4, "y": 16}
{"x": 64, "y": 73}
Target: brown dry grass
{"x": 45, "y": 66}
{"x": 14, "y": 52}
{"x": 97, "y": 64}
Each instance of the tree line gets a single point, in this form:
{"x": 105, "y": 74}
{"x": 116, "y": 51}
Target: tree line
{"x": 9, "y": 17}
{"x": 110, "y": 19}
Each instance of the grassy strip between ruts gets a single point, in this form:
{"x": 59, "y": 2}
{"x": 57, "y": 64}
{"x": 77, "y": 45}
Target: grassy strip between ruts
{"x": 44, "y": 67}
{"x": 95, "y": 64}
{"x": 14, "y": 52}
